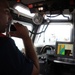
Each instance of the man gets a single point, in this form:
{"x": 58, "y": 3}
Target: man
{"x": 12, "y": 61}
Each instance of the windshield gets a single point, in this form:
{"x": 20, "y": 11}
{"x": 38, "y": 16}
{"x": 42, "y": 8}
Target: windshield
{"x": 54, "y": 32}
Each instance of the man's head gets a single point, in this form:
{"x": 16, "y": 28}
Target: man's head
{"x": 5, "y": 16}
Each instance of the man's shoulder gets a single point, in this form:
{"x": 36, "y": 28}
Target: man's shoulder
{"x": 5, "y": 40}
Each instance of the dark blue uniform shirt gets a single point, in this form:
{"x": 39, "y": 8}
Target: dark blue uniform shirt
{"x": 12, "y": 61}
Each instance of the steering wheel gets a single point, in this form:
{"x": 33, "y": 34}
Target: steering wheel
{"x": 47, "y": 47}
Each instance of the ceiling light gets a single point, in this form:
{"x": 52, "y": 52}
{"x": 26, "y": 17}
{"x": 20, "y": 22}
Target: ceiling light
{"x": 40, "y": 8}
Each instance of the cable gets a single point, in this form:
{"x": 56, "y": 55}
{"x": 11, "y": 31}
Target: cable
{"x": 41, "y": 31}
{"x": 65, "y": 16}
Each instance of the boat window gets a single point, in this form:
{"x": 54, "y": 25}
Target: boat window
{"x": 54, "y": 32}
{"x": 58, "y": 17}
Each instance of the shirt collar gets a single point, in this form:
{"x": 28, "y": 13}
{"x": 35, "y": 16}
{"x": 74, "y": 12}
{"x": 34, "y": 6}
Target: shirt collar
{"x": 2, "y": 35}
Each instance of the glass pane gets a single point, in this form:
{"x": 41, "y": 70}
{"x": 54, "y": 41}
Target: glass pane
{"x": 55, "y": 32}
{"x": 58, "y": 17}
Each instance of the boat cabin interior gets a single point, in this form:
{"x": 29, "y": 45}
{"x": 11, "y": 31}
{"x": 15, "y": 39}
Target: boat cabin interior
{"x": 51, "y": 25}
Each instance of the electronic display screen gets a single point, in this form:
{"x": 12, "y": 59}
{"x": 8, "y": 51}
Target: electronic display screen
{"x": 64, "y": 49}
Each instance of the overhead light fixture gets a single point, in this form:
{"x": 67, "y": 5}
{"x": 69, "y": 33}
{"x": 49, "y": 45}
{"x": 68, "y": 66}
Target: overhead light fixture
{"x": 40, "y": 8}
{"x": 24, "y": 11}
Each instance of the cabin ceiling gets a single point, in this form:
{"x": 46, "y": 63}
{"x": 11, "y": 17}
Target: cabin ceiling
{"x": 50, "y": 6}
